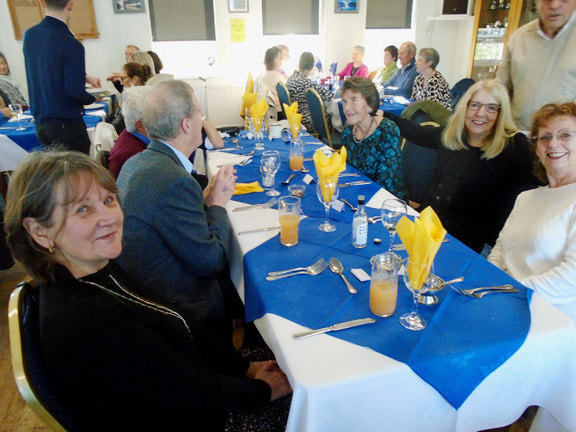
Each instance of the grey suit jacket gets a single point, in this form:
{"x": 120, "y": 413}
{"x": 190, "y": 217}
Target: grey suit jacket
{"x": 172, "y": 243}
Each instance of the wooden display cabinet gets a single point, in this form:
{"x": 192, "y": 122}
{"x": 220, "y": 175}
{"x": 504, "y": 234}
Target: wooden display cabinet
{"x": 494, "y": 22}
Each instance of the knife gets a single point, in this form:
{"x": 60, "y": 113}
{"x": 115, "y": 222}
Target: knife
{"x": 265, "y": 205}
{"x": 356, "y": 183}
{"x": 335, "y": 327}
{"x": 259, "y": 230}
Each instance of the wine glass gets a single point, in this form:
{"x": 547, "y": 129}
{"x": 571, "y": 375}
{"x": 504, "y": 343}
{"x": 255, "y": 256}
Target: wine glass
{"x": 16, "y": 111}
{"x": 257, "y": 122}
{"x": 418, "y": 278}
{"x": 286, "y": 136}
{"x": 269, "y": 165}
{"x": 296, "y": 132}
{"x": 392, "y": 211}
{"x": 327, "y": 192}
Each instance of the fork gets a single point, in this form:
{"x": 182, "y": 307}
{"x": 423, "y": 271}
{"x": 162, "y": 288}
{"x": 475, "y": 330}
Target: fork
{"x": 241, "y": 163}
{"x": 310, "y": 267}
{"x": 374, "y": 219}
{"x": 345, "y": 201}
{"x": 313, "y": 272}
{"x": 486, "y": 288}
{"x": 483, "y": 293}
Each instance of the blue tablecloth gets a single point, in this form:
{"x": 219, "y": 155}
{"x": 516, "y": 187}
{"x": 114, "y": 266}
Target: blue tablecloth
{"x": 27, "y": 138}
{"x": 386, "y": 104}
{"x": 466, "y": 338}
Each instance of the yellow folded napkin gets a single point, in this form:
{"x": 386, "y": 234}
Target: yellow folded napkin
{"x": 248, "y": 100}
{"x": 328, "y": 168}
{"x": 249, "y": 84}
{"x": 246, "y": 188}
{"x": 294, "y": 119}
{"x": 422, "y": 239}
{"x": 258, "y": 110}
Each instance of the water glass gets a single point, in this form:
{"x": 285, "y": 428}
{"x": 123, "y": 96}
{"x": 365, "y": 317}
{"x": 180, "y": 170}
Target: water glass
{"x": 289, "y": 216}
{"x": 384, "y": 284}
{"x": 296, "y": 155}
{"x": 269, "y": 165}
{"x": 392, "y": 211}
{"x": 16, "y": 111}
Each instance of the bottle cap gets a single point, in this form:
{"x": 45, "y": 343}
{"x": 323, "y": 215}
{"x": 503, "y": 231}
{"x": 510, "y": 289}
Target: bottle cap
{"x": 377, "y": 241}
{"x": 361, "y": 199}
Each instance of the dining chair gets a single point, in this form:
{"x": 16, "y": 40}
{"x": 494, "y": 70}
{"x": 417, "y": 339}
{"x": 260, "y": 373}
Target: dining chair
{"x": 104, "y": 138}
{"x": 27, "y": 363}
{"x": 459, "y": 89}
{"x": 418, "y": 164}
{"x": 102, "y": 157}
{"x": 318, "y": 115}
{"x": 283, "y": 95}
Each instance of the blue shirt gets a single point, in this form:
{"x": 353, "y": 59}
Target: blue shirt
{"x": 183, "y": 159}
{"x": 403, "y": 80}
{"x": 142, "y": 138}
{"x": 55, "y": 72}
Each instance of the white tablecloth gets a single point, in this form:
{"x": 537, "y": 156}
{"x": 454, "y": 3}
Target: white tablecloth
{"x": 10, "y": 154}
{"x": 339, "y": 386}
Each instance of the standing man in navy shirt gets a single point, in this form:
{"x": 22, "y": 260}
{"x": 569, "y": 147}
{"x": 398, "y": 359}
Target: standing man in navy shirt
{"x": 56, "y": 74}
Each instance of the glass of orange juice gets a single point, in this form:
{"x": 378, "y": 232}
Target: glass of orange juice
{"x": 289, "y": 215}
{"x": 296, "y": 155}
{"x": 384, "y": 284}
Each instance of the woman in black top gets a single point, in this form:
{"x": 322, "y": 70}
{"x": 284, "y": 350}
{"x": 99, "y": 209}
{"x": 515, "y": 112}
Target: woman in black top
{"x": 483, "y": 163}
{"x": 116, "y": 357}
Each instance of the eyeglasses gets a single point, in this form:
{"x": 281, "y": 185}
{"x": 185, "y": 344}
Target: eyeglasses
{"x": 123, "y": 77}
{"x": 564, "y": 136}
{"x": 490, "y": 108}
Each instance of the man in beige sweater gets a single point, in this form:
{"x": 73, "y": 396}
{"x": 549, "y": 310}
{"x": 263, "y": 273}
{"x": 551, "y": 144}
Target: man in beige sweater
{"x": 539, "y": 65}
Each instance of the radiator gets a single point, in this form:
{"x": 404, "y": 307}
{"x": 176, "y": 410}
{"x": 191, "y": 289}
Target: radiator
{"x": 223, "y": 103}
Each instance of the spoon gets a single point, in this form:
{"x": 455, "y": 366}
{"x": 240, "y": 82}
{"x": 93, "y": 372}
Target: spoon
{"x": 285, "y": 182}
{"x": 235, "y": 141}
{"x": 304, "y": 170}
{"x": 337, "y": 267}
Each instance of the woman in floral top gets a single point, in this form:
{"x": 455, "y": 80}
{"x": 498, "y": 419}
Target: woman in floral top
{"x": 297, "y": 85}
{"x": 430, "y": 84}
{"x": 373, "y": 142}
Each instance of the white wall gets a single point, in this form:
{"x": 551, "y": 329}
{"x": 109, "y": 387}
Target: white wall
{"x": 339, "y": 33}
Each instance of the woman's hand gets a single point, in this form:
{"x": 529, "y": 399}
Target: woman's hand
{"x": 271, "y": 374}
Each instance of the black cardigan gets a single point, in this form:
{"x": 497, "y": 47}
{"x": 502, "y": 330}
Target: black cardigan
{"x": 118, "y": 365}
{"x": 473, "y": 196}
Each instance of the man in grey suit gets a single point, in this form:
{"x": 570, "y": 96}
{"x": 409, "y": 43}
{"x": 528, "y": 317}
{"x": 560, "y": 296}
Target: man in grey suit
{"x": 176, "y": 236}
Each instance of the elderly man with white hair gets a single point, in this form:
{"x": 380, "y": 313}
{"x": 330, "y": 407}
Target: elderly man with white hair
{"x": 403, "y": 81}
{"x": 134, "y": 138}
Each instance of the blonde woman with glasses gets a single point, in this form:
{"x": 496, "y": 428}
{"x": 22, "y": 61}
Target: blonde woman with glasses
{"x": 482, "y": 163}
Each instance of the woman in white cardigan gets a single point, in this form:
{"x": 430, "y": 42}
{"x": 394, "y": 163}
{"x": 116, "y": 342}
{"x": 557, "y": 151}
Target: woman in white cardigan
{"x": 537, "y": 245}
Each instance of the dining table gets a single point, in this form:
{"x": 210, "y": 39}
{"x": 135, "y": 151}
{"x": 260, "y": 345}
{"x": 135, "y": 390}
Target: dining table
{"x": 15, "y": 144}
{"x": 478, "y": 365}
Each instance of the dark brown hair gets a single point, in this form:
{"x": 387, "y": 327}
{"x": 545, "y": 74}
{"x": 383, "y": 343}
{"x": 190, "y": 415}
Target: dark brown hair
{"x": 43, "y": 181}
{"x": 366, "y": 88}
{"x": 143, "y": 72}
{"x": 539, "y": 119}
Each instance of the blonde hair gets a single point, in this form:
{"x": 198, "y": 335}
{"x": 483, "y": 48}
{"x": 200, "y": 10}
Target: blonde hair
{"x": 143, "y": 58}
{"x": 455, "y": 132}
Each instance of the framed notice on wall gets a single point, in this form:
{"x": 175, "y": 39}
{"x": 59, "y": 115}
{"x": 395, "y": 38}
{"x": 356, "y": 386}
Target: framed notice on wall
{"x": 27, "y": 13}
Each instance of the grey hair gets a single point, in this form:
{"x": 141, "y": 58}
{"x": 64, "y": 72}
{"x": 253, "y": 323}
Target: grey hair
{"x": 133, "y": 100}
{"x": 167, "y": 105}
{"x": 143, "y": 58}
{"x": 360, "y": 48}
{"x": 430, "y": 55}
{"x": 411, "y": 47}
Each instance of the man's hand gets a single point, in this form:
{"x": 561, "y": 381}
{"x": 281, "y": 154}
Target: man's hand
{"x": 221, "y": 188}
{"x": 93, "y": 81}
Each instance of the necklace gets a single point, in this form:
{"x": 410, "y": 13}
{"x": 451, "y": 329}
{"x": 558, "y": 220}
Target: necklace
{"x": 358, "y": 141}
{"x": 141, "y": 301}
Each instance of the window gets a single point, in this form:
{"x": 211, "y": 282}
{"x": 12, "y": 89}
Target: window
{"x": 182, "y": 20}
{"x": 290, "y": 17}
{"x": 389, "y": 14}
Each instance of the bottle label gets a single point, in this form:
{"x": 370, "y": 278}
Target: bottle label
{"x": 361, "y": 235}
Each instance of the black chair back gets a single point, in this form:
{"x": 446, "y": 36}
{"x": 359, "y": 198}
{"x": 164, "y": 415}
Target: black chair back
{"x": 283, "y": 96}
{"x": 27, "y": 358}
{"x": 418, "y": 164}
{"x": 318, "y": 114}
{"x": 459, "y": 89}
{"x": 102, "y": 158}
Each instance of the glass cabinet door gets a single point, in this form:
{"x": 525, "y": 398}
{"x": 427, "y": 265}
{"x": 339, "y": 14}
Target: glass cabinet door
{"x": 491, "y": 24}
